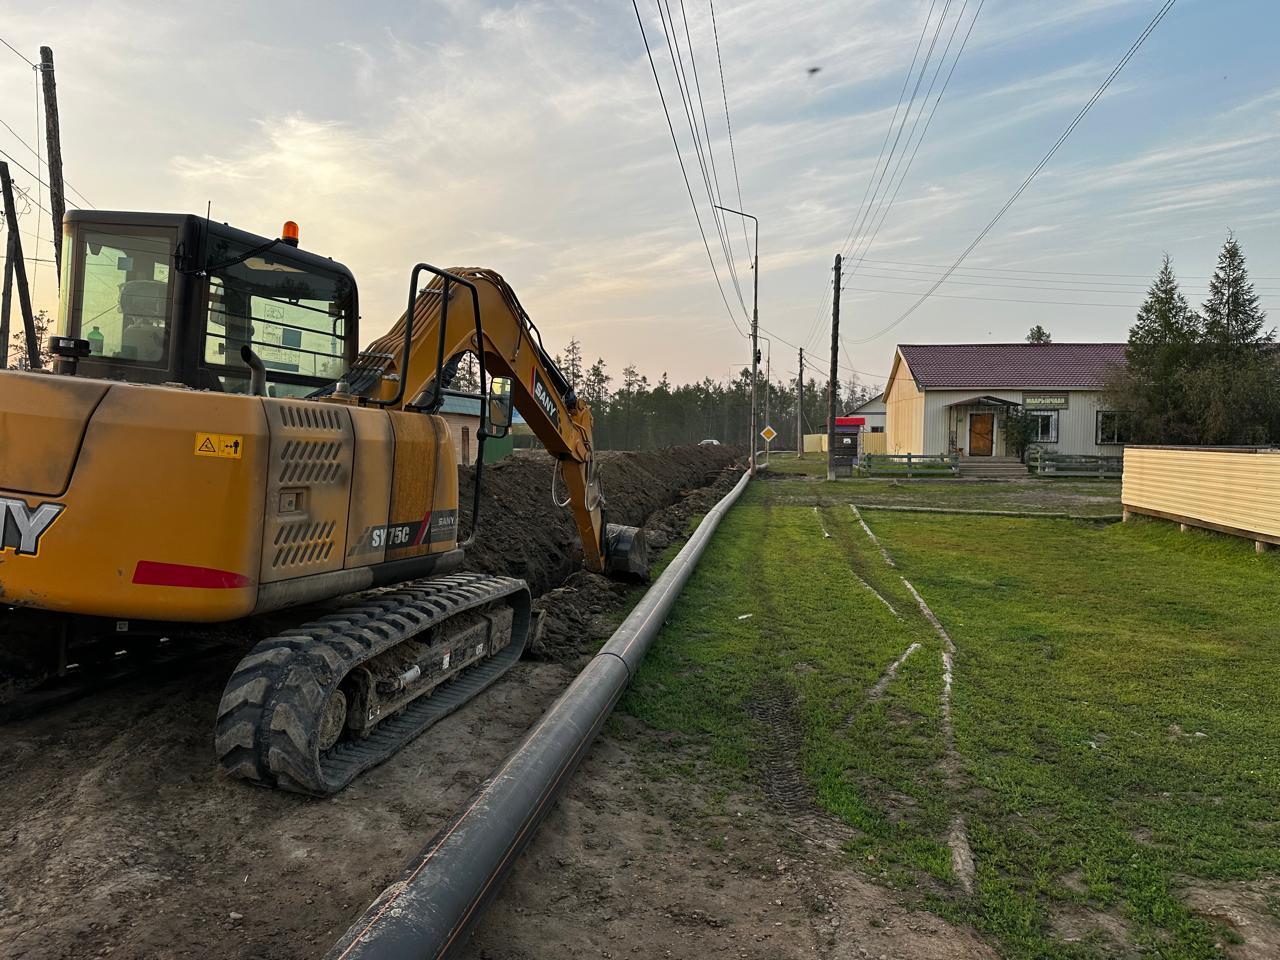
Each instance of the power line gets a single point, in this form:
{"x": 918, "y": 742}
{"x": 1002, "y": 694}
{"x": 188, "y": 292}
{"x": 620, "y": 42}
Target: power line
{"x": 1133, "y": 49}
{"x": 879, "y": 217}
{"x": 29, "y": 63}
{"x": 946, "y": 83}
{"x": 29, "y": 259}
{"x": 686, "y": 101}
{"x": 1032, "y": 283}
{"x": 970, "y": 269}
{"x": 902, "y": 125}
{"x": 846, "y": 369}
{"x": 683, "y": 172}
{"x": 706, "y": 129}
{"x": 709, "y": 158}
{"x": 954, "y": 296}
{"x": 36, "y": 154}
{"x": 25, "y": 193}
{"x": 795, "y": 346}
{"x": 816, "y": 325}
{"x": 729, "y": 127}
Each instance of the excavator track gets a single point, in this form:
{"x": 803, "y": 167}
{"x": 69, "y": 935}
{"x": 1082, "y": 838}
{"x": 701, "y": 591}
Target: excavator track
{"x": 285, "y": 719}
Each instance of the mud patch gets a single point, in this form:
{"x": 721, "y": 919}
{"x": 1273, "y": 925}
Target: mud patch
{"x": 1105, "y": 932}
{"x": 1250, "y": 911}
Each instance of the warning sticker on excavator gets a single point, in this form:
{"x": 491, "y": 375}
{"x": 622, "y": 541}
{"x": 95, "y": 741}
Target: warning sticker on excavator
{"x": 227, "y": 446}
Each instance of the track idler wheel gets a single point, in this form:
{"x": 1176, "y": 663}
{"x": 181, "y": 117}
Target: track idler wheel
{"x": 626, "y": 553}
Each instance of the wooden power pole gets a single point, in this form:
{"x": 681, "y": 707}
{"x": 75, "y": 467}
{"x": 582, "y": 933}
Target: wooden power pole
{"x": 57, "y": 203}
{"x": 832, "y": 381}
{"x": 800, "y": 408}
{"x": 19, "y": 267}
{"x": 6, "y": 298}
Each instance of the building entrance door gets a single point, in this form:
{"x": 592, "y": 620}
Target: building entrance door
{"x": 982, "y": 433}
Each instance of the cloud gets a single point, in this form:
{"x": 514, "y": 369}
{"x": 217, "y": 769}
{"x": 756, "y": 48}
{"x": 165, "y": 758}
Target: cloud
{"x": 528, "y": 136}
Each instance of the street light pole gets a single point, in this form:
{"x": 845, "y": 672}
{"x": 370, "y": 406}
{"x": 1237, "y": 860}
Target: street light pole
{"x": 768, "y": 374}
{"x": 755, "y": 325}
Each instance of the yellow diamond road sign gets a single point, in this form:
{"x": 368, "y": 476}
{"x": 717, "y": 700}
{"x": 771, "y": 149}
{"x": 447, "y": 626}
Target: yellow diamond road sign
{"x": 768, "y": 433}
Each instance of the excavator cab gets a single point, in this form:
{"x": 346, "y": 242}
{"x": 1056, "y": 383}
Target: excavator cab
{"x": 173, "y": 298}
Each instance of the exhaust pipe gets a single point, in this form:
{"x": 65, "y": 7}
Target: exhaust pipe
{"x": 257, "y": 371}
{"x": 429, "y": 911}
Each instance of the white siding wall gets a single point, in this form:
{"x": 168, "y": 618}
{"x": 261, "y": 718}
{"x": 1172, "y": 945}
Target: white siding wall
{"x": 1076, "y": 424}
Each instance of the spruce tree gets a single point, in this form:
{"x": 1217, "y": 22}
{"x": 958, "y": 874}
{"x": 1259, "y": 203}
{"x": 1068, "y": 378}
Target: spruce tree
{"x": 1235, "y": 384}
{"x": 1233, "y": 318}
{"x": 1038, "y": 334}
{"x": 571, "y": 364}
{"x": 1162, "y": 340}
{"x": 1151, "y": 388}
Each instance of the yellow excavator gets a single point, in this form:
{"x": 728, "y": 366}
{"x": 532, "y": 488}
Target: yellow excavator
{"x": 212, "y": 447}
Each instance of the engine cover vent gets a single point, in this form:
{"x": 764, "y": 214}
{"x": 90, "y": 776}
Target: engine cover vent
{"x": 308, "y": 489}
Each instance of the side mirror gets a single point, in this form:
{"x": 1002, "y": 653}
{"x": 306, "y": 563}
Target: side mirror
{"x": 499, "y": 407}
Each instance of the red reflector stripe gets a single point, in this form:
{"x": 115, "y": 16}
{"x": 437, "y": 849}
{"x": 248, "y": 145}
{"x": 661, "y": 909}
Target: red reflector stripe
{"x": 154, "y": 574}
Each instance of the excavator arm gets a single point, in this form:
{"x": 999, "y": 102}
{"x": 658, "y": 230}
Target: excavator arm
{"x": 475, "y": 310}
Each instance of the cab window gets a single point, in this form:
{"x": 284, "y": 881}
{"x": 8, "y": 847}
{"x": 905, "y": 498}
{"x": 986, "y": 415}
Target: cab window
{"x": 124, "y": 295}
{"x": 293, "y": 317}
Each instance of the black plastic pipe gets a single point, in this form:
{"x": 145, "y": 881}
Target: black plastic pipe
{"x": 430, "y": 910}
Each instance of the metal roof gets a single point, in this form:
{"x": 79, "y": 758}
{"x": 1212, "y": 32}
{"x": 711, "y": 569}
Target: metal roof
{"x": 1013, "y": 365}
{"x": 463, "y": 406}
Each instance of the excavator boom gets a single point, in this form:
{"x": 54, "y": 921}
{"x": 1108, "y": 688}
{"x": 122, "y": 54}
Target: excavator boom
{"x": 474, "y": 310}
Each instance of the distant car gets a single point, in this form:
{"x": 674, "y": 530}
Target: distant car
{"x": 708, "y": 443}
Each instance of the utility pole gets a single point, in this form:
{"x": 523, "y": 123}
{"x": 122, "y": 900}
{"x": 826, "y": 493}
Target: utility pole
{"x": 57, "y": 203}
{"x": 800, "y": 408}
{"x": 6, "y": 299}
{"x": 767, "y": 383}
{"x": 755, "y": 326}
{"x": 831, "y": 383}
{"x": 19, "y": 267}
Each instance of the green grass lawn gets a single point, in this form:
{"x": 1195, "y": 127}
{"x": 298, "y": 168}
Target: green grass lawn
{"x": 1114, "y": 701}
{"x": 786, "y": 464}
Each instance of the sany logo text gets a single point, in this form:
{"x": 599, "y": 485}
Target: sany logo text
{"x": 21, "y": 527}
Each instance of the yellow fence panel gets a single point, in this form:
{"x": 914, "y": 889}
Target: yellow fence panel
{"x": 1232, "y": 490}
{"x": 815, "y": 443}
{"x": 874, "y": 442}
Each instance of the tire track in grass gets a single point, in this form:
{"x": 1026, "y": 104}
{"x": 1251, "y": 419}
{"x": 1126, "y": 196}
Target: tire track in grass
{"x": 874, "y": 539}
{"x": 876, "y": 593}
{"x": 891, "y": 671}
{"x": 825, "y": 535}
{"x": 962, "y": 861}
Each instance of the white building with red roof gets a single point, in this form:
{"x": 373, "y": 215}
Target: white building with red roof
{"x": 953, "y": 397}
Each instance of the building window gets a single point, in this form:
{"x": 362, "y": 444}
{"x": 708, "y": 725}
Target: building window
{"x": 466, "y": 444}
{"x": 1044, "y": 426}
{"x": 877, "y": 429}
{"x": 1112, "y": 428}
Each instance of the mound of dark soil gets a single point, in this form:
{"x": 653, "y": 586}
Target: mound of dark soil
{"x": 524, "y": 534}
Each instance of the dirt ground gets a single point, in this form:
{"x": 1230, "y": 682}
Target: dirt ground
{"x": 629, "y": 865}
{"x": 121, "y": 839}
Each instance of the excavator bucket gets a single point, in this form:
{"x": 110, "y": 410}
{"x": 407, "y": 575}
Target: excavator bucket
{"x": 626, "y": 553}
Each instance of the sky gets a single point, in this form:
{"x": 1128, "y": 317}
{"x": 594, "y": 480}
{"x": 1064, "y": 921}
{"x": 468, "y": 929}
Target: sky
{"x": 529, "y": 137}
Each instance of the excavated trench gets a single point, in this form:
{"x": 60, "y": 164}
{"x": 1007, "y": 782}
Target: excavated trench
{"x": 523, "y": 534}
{"x": 121, "y": 839}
